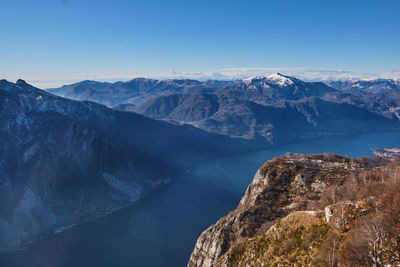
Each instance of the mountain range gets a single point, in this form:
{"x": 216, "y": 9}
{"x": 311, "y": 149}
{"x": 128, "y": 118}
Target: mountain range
{"x": 274, "y": 86}
{"x": 66, "y": 159}
{"x": 374, "y": 86}
{"x": 63, "y": 161}
{"x": 273, "y": 109}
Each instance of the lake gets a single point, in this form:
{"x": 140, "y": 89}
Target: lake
{"x": 161, "y": 230}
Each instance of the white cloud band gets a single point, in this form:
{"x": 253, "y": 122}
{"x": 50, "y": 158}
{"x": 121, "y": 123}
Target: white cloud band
{"x": 308, "y": 74}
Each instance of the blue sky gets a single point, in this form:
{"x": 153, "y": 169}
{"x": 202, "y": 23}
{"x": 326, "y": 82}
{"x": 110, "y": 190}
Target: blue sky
{"x": 50, "y": 42}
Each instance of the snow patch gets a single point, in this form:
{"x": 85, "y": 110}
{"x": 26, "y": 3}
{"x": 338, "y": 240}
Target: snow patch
{"x": 279, "y": 79}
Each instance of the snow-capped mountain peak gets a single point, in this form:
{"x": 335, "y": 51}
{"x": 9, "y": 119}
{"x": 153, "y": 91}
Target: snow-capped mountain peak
{"x": 280, "y": 79}
{"x": 275, "y": 78}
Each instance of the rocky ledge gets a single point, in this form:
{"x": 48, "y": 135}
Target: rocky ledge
{"x": 315, "y": 210}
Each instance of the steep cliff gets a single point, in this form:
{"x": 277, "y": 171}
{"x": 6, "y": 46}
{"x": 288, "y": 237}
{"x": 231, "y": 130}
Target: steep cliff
{"x": 305, "y": 210}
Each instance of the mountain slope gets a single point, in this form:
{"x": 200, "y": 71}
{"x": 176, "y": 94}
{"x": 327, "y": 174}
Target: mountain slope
{"x": 278, "y": 86}
{"x": 84, "y": 90}
{"x": 373, "y": 86}
{"x": 385, "y": 103}
{"x": 273, "y": 109}
{"x": 135, "y": 91}
{"x": 63, "y": 161}
{"x": 231, "y": 114}
{"x": 130, "y": 92}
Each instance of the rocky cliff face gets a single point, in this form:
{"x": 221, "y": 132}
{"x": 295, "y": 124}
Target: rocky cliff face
{"x": 316, "y": 210}
{"x": 281, "y": 186}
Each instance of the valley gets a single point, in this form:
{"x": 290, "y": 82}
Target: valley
{"x": 78, "y": 161}
{"x": 163, "y": 228}
{"x": 64, "y": 162}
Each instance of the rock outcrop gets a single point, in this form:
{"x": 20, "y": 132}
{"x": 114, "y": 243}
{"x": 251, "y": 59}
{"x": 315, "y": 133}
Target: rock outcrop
{"x": 281, "y": 186}
{"x": 316, "y": 210}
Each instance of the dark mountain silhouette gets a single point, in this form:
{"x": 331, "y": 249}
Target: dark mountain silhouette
{"x": 65, "y": 161}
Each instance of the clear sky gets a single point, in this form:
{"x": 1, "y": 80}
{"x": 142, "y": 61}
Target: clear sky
{"x": 49, "y": 42}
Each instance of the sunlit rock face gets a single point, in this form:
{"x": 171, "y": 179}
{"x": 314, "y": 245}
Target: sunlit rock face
{"x": 63, "y": 162}
{"x": 281, "y": 186}
{"x": 314, "y": 210}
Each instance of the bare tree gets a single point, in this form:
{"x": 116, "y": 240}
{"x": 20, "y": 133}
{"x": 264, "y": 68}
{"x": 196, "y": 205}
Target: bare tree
{"x": 376, "y": 237}
{"x": 332, "y": 254}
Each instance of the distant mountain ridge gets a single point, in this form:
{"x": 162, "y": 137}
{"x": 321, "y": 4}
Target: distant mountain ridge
{"x": 138, "y": 90}
{"x": 375, "y": 86}
{"x": 132, "y": 92}
{"x": 276, "y": 108}
{"x": 231, "y": 115}
{"x": 280, "y": 86}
